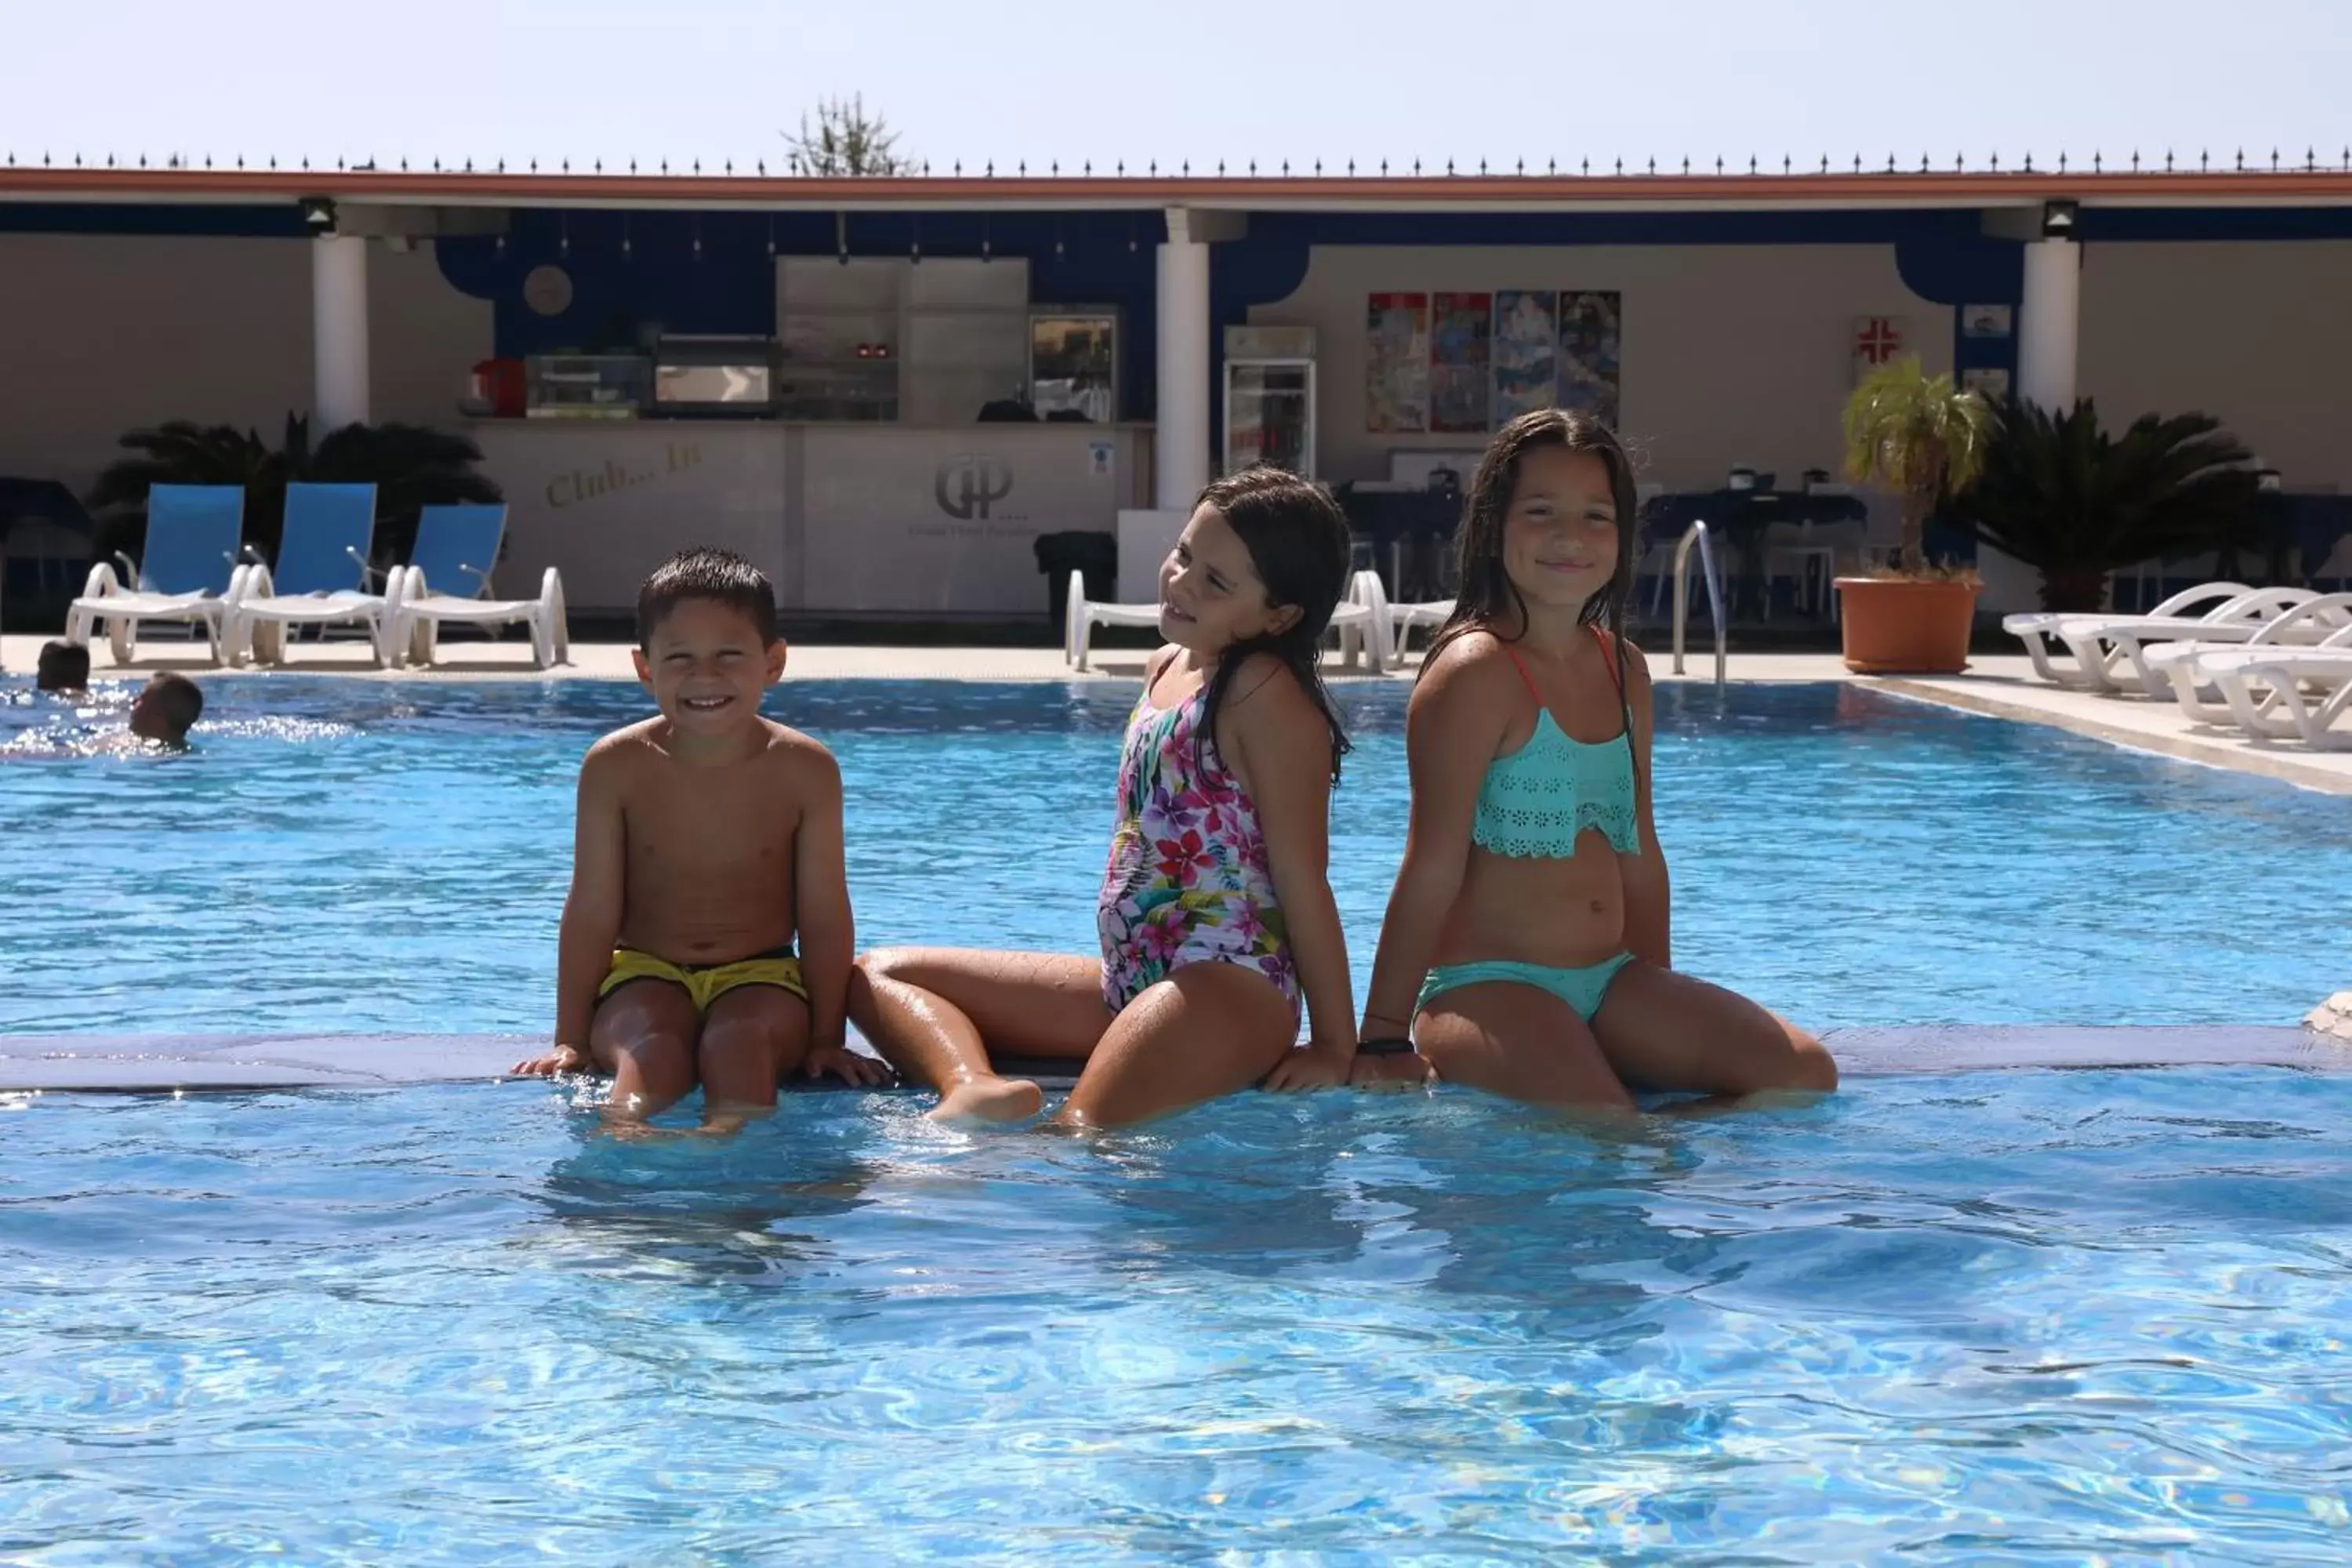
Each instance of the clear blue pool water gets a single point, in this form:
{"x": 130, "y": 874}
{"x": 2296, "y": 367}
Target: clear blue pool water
{"x": 2004, "y": 1318}
{"x": 334, "y": 856}
{"x": 1990, "y": 1317}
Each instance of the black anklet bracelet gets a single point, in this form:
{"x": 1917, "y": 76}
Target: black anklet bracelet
{"x": 1386, "y": 1045}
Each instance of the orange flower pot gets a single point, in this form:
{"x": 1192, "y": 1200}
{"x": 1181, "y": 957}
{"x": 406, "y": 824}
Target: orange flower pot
{"x": 1895, "y": 626}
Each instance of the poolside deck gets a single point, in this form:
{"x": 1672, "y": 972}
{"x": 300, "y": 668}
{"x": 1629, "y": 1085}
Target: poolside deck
{"x": 1999, "y": 685}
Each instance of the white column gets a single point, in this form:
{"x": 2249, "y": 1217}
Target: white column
{"x": 2050, "y": 324}
{"x": 1182, "y": 445}
{"x": 338, "y": 333}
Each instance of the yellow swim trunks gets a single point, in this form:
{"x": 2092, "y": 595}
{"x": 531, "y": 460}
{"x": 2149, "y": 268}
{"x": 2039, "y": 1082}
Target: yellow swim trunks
{"x": 705, "y": 983}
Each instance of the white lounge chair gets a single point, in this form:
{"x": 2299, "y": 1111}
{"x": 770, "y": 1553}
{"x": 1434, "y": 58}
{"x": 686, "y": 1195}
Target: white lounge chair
{"x": 2109, "y": 651}
{"x": 321, "y": 577}
{"x": 1400, "y": 620}
{"x": 2321, "y": 624}
{"x": 460, "y": 545}
{"x": 2298, "y": 693}
{"x": 1359, "y": 632}
{"x": 188, "y": 571}
{"x": 2038, "y": 630}
{"x": 2128, "y": 642}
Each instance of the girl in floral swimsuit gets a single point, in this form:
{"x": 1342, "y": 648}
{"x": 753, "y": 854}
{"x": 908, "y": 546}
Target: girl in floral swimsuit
{"x": 1215, "y": 915}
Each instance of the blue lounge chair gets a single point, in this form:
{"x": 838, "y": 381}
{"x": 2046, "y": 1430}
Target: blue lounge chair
{"x": 448, "y": 578}
{"x": 188, "y": 570}
{"x": 321, "y": 578}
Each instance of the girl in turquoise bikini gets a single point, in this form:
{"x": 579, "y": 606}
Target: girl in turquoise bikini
{"x": 1527, "y": 947}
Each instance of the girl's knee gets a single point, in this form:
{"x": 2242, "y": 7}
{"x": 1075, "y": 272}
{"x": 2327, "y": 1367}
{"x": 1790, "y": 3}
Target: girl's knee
{"x": 1810, "y": 1066}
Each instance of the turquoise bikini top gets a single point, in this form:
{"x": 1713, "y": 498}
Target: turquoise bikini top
{"x": 1536, "y": 802}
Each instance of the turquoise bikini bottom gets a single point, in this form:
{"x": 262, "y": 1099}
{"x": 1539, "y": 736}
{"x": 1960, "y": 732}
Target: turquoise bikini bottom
{"x": 1582, "y": 989}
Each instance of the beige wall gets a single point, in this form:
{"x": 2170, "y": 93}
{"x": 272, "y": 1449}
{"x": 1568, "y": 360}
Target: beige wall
{"x": 1731, "y": 353}
{"x": 104, "y": 333}
{"x": 2258, "y": 336}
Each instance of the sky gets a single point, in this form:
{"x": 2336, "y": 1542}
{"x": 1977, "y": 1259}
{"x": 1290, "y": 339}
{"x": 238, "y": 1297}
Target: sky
{"x": 1203, "y": 81}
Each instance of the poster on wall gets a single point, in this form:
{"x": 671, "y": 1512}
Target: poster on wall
{"x": 1460, "y": 328}
{"x": 1525, "y": 351}
{"x": 1588, "y": 354}
{"x": 1396, "y": 364}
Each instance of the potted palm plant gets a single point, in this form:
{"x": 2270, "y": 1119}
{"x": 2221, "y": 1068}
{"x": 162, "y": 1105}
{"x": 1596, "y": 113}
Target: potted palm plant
{"x": 1924, "y": 437}
{"x": 2075, "y": 503}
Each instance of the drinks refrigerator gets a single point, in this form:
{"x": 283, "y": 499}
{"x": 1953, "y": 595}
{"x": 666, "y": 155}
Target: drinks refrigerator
{"x": 1270, "y": 398}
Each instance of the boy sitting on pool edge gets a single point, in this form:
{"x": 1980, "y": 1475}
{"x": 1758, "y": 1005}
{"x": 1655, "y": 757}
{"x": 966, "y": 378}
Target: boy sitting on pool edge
{"x": 708, "y": 838}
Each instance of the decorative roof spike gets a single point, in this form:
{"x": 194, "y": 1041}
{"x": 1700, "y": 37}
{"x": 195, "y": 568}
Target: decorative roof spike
{"x": 2273, "y": 160}
{"x": 1086, "y": 168}
{"x": 1449, "y": 168}
{"x": 1482, "y": 168}
{"x": 567, "y": 165}
{"x": 1021, "y": 168}
{"x": 2310, "y": 160}
{"x": 2099, "y": 162}
{"x": 1620, "y": 166}
{"x": 2168, "y": 159}
{"x": 1996, "y": 162}
{"x": 2061, "y": 159}
{"x": 1718, "y": 162}
{"x": 1055, "y": 168}
{"x": 1654, "y": 165}
{"x": 1787, "y": 163}
{"x": 469, "y": 165}
{"x": 1686, "y": 163}
{"x": 2135, "y": 159}
{"x": 1521, "y": 167}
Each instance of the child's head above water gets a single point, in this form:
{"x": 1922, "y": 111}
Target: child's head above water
{"x": 63, "y": 666}
{"x": 1259, "y": 568}
{"x": 166, "y": 708}
{"x": 1549, "y": 525}
{"x": 708, "y": 644}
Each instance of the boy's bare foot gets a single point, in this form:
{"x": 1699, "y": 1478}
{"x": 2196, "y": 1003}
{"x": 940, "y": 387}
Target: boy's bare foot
{"x": 991, "y": 1100}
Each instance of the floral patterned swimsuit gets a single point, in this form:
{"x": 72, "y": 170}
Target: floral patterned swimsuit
{"x": 1188, "y": 881}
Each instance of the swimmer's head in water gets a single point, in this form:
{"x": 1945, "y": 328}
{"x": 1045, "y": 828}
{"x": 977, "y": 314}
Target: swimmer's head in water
{"x": 166, "y": 708}
{"x": 63, "y": 666}
{"x": 708, "y": 643}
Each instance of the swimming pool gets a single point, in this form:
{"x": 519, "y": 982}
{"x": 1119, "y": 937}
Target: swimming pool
{"x": 338, "y": 856}
{"x": 1959, "y": 1316}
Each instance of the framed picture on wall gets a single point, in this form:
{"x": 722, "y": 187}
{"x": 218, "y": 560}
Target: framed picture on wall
{"x": 1989, "y": 382}
{"x": 1987, "y": 321}
{"x": 1461, "y": 327}
{"x": 1396, "y": 364}
{"x": 1525, "y": 351}
{"x": 1588, "y": 354}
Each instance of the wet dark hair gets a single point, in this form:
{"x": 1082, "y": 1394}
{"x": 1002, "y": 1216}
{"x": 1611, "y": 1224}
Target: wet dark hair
{"x": 181, "y": 699}
{"x": 1488, "y": 601}
{"x": 63, "y": 666}
{"x": 1298, "y": 541}
{"x": 720, "y": 576}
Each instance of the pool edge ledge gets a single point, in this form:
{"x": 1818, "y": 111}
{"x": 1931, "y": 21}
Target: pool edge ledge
{"x": 226, "y": 1063}
{"x": 1963, "y": 693}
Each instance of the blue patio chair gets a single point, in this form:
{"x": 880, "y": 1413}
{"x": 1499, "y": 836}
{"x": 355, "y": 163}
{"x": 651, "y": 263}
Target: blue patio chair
{"x": 322, "y": 576}
{"x": 188, "y": 571}
{"x": 448, "y": 578}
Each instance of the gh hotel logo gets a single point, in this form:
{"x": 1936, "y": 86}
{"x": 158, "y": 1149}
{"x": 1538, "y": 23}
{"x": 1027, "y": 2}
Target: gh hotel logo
{"x": 968, "y": 485}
